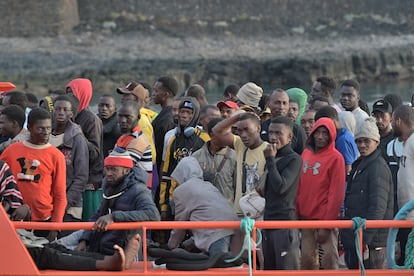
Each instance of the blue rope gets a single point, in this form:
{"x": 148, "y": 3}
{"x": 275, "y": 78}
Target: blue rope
{"x": 357, "y": 224}
{"x": 247, "y": 226}
{"x": 392, "y": 235}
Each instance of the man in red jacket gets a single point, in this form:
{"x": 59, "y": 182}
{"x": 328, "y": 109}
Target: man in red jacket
{"x": 320, "y": 195}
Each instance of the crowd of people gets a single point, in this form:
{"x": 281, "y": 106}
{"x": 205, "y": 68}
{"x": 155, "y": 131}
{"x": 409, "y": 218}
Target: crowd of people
{"x": 289, "y": 154}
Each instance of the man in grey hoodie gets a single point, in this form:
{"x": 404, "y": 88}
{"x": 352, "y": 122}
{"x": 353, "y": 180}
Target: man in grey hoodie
{"x": 198, "y": 200}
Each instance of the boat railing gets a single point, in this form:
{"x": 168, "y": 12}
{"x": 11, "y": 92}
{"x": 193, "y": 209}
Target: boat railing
{"x": 299, "y": 224}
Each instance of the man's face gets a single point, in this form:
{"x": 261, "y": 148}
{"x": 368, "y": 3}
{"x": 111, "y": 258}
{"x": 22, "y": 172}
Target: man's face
{"x": 185, "y": 115}
{"x": 6, "y": 126}
{"x": 127, "y": 119}
{"x": 62, "y": 112}
{"x": 293, "y": 112}
{"x": 366, "y": 146}
{"x": 396, "y": 126}
{"x": 280, "y": 135}
{"x": 226, "y": 111}
{"x": 40, "y": 131}
{"x": 349, "y": 98}
{"x": 249, "y": 132}
{"x": 106, "y": 107}
{"x": 115, "y": 175}
{"x": 383, "y": 120}
{"x": 159, "y": 93}
{"x": 176, "y": 110}
{"x": 316, "y": 90}
{"x": 307, "y": 121}
{"x": 210, "y": 114}
{"x": 279, "y": 104}
{"x": 321, "y": 138}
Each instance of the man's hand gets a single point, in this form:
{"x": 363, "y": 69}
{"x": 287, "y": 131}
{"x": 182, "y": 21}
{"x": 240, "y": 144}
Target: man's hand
{"x": 270, "y": 150}
{"x": 102, "y": 223}
{"x": 21, "y": 213}
{"x": 52, "y": 235}
{"x": 81, "y": 246}
{"x": 323, "y": 235}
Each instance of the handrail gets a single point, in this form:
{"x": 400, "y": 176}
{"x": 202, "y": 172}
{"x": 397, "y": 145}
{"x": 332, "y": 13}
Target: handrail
{"x": 163, "y": 225}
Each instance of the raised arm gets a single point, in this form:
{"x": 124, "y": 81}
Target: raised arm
{"x": 222, "y": 131}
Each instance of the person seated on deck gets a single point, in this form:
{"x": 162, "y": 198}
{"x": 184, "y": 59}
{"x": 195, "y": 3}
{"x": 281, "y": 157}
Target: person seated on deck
{"x": 50, "y": 258}
{"x": 125, "y": 199}
{"x": 198, "y": 200}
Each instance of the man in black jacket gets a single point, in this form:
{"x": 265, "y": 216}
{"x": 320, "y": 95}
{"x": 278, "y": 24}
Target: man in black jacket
{"x": 281, "y": 246}
{"x": 369, "y": 194}
{"x": 108, "y": 116}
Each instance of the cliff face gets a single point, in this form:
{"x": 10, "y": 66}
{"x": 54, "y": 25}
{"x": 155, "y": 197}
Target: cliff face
{"x": 213, "y": 42}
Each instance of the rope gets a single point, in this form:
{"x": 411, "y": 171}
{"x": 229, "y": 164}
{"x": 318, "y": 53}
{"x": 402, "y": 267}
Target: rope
{"x": 392, "y": 235}
{"x": 247, "y": 226}
{"x": 357, "y": 224}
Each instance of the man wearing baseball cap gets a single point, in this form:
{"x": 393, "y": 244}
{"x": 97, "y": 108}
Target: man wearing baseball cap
{"x": 382, "y": 112}
{"x": 227, "y": 108}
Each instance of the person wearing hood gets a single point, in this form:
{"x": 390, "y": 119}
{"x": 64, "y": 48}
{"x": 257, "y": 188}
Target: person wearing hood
{"x": 320, "y": 195}
{"x": 198, "y": 200}
{"x": 186, "y": 140}
{"x": 69, "y": 139}
{"x": 369, "y": 195}
{"x": 125, "y": 199}
{"x": 93, "y": 130}
{"x": 297, "y": 95}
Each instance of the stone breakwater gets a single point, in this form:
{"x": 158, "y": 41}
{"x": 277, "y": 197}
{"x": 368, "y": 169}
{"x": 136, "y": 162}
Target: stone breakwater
{"x": 109, "y": 61}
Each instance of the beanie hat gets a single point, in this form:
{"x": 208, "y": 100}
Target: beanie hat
{"x": 119, "y": 159}
{"x": 368, "y": 129}
{"x": 250, "y": 94}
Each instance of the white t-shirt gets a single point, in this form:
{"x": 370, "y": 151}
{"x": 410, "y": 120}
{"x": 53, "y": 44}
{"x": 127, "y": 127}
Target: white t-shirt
{"x": 405, "y": 176}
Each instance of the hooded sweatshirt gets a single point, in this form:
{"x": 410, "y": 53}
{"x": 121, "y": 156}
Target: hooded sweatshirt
{"x": 91, "y": 127}
{"x": 299, "y": 96}
{"x": 186, "y": 140}
{"x": 198, "y": 200}
{"x": 322, "y": 184}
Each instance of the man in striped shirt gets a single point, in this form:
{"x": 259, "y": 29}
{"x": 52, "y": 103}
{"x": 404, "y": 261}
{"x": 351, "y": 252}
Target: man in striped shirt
{"x": 133, "y": 139}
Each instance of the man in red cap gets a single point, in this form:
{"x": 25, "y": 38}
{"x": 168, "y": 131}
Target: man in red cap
{"x": 227, "y": 108}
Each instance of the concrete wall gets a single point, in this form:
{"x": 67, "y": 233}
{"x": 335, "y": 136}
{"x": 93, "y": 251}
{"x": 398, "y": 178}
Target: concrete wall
{"x": 194, "y": 17}
{"x": 26, "y": 18}
{"x": 251, "y": 17}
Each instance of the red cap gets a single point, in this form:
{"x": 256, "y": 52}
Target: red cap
{"x": 229, "y": 104}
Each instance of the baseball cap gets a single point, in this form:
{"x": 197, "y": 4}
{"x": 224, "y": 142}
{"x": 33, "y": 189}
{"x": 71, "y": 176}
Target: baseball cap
{"x": 229, "y": 104}
{"x": 382, "y": 106}
{"x": 134, "y": 88}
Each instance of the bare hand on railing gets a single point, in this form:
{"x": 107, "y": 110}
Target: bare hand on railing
{"x": 323, "y": 235}
{"x": 102, "y": 223}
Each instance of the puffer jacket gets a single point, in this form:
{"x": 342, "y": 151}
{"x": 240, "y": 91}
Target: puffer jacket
{"x": 134, "y": 203}
{"x": 369, "y": 195}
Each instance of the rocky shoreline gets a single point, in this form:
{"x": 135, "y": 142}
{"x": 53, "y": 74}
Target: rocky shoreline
{"x": 44, "y": 63}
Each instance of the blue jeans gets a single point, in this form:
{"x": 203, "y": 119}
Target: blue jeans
{"x": 221, "y": 245}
